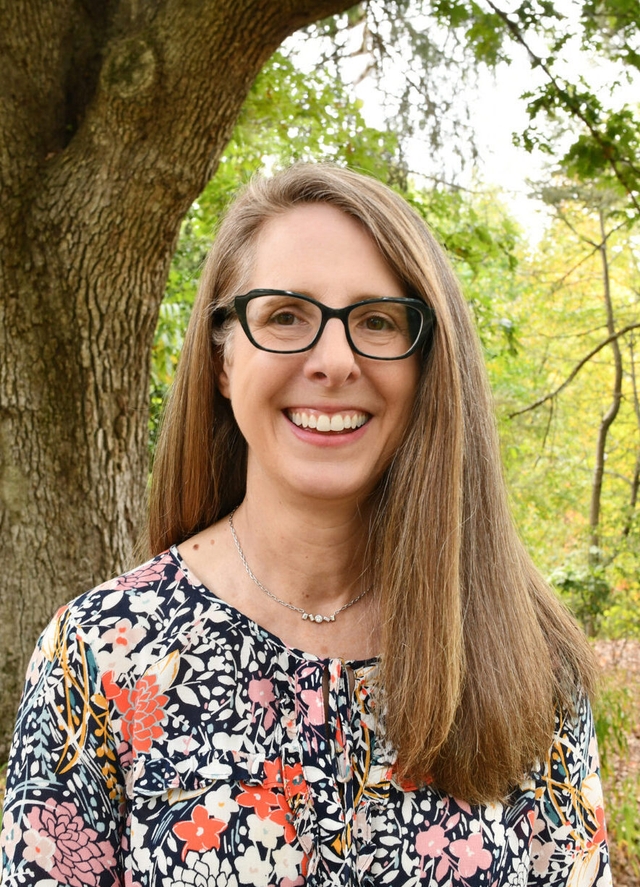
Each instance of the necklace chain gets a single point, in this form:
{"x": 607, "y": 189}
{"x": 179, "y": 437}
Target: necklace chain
{"x": 310, "y": 616}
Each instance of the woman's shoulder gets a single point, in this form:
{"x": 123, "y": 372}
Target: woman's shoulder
{"x": 144, "y": 590}
{"x": 133, "y": 618}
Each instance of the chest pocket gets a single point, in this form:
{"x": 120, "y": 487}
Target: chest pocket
{"x": 187, "y": 775}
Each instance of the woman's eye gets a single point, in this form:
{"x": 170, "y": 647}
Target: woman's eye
{"x": 376, "y": 323}
{"x": 283, "y": 318}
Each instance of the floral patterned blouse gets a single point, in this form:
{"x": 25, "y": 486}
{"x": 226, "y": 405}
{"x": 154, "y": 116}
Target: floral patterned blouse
{"x": 166, "y": 739}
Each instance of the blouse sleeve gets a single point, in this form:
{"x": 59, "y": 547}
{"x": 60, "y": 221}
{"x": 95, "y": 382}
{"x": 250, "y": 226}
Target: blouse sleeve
{"x": 569, "y": 845}
{"x": 63, "y": 814}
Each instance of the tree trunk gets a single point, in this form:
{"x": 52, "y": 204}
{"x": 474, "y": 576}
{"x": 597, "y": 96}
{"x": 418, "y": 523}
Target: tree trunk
{"x": 595, "y": 555}
{"x": 113, "y": 116}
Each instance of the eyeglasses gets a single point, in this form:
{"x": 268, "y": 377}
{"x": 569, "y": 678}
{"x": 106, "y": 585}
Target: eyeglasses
{"x": 288, "y": 323}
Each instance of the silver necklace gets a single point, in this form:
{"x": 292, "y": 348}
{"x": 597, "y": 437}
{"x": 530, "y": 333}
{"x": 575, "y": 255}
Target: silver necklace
{"x": 310, "y": 616}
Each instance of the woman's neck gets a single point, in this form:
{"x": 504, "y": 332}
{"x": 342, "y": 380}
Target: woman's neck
{"x": 311, "y": 554}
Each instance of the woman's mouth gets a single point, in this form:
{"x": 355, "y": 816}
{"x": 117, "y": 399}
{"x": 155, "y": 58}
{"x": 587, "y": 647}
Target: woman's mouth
{"x": 346, "y": 421}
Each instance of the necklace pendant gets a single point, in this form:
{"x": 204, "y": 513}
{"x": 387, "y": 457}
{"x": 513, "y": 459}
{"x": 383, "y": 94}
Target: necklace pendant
{"x": 318, "y": 618}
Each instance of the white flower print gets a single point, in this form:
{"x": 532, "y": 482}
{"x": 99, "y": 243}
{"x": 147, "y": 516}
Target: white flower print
{"x": 145, "y": 602}
{"x": 252, "y": 869}
{"x": 262, "y": 831}
{"x": 287, "y": 861}
{"x": 11, "y": 834}
{"x": 220, "y": 804}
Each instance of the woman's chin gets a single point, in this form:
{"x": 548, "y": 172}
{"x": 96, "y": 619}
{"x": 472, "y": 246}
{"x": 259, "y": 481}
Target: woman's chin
{"x": 322, "y": 487}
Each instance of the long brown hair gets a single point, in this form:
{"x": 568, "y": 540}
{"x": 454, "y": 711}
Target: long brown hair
{"x": 477, "y": 652}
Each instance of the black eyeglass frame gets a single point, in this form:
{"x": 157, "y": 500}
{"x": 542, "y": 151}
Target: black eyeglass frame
{"x": 427, "y": 315}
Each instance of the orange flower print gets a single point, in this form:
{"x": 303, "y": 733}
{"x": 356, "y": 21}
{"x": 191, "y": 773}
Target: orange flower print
{"x": 600, "y": 835}
{"x": 148, "y": 713}
{"x": 142, "y": 708}
{"x": 284, "y": 817}
{"x": 295, "y": 781}
{"x": 261, "y": 799}
{"x": 199, "y": 833}
{"x": 273, "y": 772}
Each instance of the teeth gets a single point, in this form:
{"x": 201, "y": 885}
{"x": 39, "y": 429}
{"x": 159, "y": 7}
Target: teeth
{"x": 325, "y": 423}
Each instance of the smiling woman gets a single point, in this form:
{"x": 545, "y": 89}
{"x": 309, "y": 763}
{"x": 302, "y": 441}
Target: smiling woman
{"x": 340, "y": 666}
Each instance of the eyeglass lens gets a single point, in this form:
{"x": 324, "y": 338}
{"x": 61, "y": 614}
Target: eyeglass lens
{"x": 379, "y": 329}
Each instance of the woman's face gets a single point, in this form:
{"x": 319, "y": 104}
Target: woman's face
{"x": 318, "y": 251}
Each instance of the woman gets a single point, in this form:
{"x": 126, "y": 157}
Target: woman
{"x": 344, "y": 669}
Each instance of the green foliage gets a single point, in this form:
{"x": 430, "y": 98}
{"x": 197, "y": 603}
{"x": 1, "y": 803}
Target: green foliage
{"x": 613, "y": 718}
{"x": 611, "y": 27}
{"x": 481, "y": 29}
{"x": 585, "y": 133}
{"x": 483, "y": 242}
{"x": 586, "y": 590}
{"x": 623, "y": 824}
{"x": 559, "y": 311}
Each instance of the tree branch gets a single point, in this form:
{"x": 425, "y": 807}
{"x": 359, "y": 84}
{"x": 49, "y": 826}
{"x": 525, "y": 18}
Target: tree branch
{"x": 574, "y": 372}
{"x": 570, "y": 103}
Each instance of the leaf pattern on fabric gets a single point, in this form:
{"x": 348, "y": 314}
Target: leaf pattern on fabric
{"x": 165, "y": 739}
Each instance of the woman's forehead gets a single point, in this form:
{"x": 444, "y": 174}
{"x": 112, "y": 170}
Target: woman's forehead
{"x": 316, "y": 247}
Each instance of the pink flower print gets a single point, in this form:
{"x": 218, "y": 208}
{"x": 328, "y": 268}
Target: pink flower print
{"x": 471, "y": 854}
{"x": 315, "y": 706}
{"x": 432, "y": 842}
{"x": 39, "y": 848}
{"x": 541, "y": 856}
{"x": 123, "y": 636}
{"x": 146, "y": 574}
{"x": 125, "y": 755}
{"x": 78, "y": 858}
{"x": 261, "y": 693}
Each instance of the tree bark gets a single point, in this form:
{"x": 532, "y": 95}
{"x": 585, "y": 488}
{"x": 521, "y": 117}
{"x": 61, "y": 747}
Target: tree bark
{"x": 113, "y": 116}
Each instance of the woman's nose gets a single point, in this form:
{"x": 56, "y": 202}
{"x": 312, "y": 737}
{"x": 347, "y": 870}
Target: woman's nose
{"x": 331, "y": 359}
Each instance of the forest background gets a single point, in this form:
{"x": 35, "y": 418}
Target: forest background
{"x": 558, "y": 317}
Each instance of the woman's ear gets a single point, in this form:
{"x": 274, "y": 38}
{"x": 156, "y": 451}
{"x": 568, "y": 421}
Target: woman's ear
{"x": 222, "y": 370}
{"x": 223, "y": 384}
